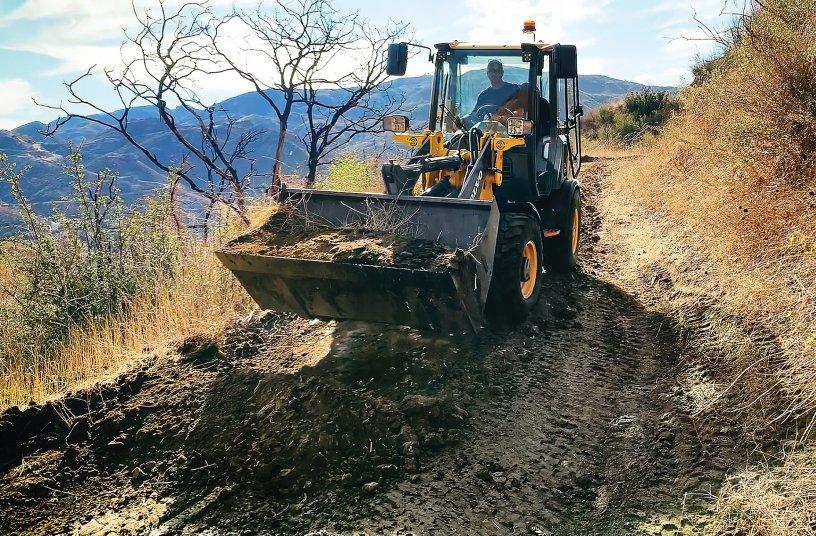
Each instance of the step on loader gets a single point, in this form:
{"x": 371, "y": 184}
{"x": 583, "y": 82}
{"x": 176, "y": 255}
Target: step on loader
{"x": 493, "y": 176}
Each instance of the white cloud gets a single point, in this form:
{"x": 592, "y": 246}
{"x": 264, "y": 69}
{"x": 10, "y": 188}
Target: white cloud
{"x": 590, "y": 65}
{"x": 77, "y": 33}
{"x": 489, "y": 21}
{"x": 665, "y": 77}
{"x": 681, "y": 38}
{"x": 81, "y": 33}
{"x": 681, "y": 32}
{"x": 15, "y": 94}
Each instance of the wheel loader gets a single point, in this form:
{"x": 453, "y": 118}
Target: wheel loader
{"x": 492, "y": 175}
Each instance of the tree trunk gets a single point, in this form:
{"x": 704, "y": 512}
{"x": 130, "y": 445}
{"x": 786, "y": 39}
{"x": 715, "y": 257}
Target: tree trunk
{"x": 275, "y": 185}
{"x": 311, "y": 175}
{"x": 240, "y": 204}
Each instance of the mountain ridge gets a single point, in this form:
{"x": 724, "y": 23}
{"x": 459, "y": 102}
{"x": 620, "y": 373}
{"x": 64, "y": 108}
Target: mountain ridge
{"x": 44, "y": 182}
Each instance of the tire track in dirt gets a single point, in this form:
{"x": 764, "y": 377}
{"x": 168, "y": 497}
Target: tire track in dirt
{"x": 583, "y": 438}
{"x": 569, "y": 424}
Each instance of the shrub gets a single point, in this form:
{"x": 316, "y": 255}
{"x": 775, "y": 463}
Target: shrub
{"x": 88, "y": 289}
{"x": 760, "y": 97}
{"x": 89, "y": 259}
{"x": 629, "y": 120}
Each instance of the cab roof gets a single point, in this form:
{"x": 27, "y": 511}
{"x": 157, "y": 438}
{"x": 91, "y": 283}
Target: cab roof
{"x": 461, "y": 45}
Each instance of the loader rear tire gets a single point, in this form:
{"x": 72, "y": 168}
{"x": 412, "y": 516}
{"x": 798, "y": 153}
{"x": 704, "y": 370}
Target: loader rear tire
{"x": 561, "y": 252}
{"x": 516, "y": 283}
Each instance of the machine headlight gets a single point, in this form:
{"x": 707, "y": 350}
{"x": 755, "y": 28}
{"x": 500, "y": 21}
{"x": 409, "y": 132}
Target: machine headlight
{"x": 516, "y": 126}
{"x": 395, "y": 123}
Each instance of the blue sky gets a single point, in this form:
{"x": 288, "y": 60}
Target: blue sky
{"x": 44, "y": 42}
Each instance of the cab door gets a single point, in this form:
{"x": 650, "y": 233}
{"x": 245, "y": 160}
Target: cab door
{"x": 549, "y": 146}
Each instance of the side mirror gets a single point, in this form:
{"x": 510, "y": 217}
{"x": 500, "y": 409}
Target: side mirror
{"x": 578, "y": 111}
{"x": 566, "y": 61}
{"x": 397, "y": 59}
{"x": 395, "y": 123}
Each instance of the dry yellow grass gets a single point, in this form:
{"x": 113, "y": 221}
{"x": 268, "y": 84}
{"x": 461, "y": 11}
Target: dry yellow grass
{"x": 760, "y": 238}
{"x": 203, "y": 298}
{"x": 771, "y": 501}
{"x": 733, "y": 181}
{"x": 735, "y": 173}
{"x": 756, "y": 269}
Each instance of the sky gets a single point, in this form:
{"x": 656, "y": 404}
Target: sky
{"x": 46, "y": 42}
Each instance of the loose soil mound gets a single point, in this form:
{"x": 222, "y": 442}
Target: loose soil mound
{"x": 288, "y": 234}
{"x": 278, "y": 412}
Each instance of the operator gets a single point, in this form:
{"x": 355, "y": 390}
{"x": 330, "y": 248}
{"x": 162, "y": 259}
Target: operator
{"x": 494, "y": 96}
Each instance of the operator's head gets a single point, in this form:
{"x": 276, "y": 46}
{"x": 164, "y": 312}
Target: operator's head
{"x": 495, "y": 72}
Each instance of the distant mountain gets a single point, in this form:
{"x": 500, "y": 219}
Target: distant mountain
{"x": 102, "y": 148}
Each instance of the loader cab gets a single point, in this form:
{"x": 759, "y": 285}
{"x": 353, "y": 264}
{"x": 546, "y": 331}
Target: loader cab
{"x": 479, "y": 88}
{"x": 529, "y": 115}
{"x": 544, "y": 78}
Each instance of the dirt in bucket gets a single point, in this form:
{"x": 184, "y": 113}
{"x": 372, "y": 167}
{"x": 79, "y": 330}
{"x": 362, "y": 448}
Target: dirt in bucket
{"x": 287, "y": 233}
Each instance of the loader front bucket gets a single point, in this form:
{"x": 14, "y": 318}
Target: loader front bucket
{"x": 450, "y": 301}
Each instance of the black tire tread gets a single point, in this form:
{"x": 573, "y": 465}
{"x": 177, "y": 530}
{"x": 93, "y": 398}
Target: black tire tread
{"x": 504, "y": 301}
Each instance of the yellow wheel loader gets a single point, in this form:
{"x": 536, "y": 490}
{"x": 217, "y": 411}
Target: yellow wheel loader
{"x": 494, "y": 176}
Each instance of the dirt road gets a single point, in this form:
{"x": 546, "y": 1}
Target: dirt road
{"x": 570, "y": 424}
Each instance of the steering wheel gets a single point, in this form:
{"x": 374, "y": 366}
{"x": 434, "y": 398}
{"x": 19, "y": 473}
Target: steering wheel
{"x": 478, "y": 113}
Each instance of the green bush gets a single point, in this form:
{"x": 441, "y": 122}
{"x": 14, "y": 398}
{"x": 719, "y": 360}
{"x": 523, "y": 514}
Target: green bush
{"x": 84, "y": 262}
{"x": 350, "y": 173}
{"x": 629, "y": 120}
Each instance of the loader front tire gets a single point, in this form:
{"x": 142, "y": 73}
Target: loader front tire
{"x": 516, "y": 283}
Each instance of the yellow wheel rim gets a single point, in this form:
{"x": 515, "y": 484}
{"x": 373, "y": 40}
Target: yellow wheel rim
{"x": 576, "y": 229}
{"x": 529, "y": 269}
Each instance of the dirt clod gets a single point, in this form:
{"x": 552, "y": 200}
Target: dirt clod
{"x": 137, "y": 473}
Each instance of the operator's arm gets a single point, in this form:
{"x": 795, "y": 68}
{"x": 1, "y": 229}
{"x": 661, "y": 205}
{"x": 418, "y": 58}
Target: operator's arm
{"x": 469, "y": 119}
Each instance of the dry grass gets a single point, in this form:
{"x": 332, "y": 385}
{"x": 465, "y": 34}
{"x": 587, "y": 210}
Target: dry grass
{"x": 732, "y": 185}
{"x": 771, "y": 501}
{"x": 610, "y": 149}
{"x": 201, "y": 298}
{"x": 760, "y": 237}
{"x": 752, "y": 217}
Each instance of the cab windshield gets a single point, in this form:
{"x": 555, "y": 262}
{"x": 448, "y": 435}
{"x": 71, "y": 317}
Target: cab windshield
{"x": 481, "y": 89}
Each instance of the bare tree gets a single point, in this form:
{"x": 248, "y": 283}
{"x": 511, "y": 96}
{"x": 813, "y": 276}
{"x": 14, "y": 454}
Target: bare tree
{"x": 328, "y": 65}
{"x": 325, "y": 67}
{"x": 296, "y": 39}
{"x": 171, "y": 53}
{"x": 353, "y": 101}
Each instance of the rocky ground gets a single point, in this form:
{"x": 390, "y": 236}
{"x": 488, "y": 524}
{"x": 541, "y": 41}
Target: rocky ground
{"x": 573, "y": 423}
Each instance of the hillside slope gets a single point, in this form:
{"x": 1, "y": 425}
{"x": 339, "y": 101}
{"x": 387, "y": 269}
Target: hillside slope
{"x": 730, "y": 189}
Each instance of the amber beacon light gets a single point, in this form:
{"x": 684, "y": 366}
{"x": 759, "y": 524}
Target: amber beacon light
{"x": 529, "y": 26}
